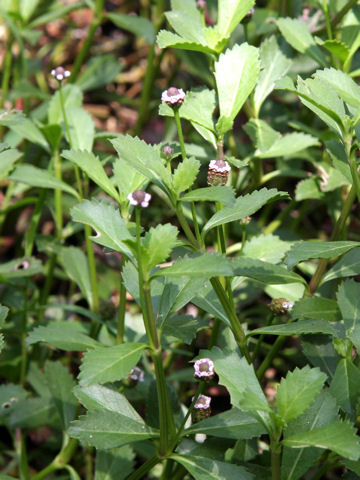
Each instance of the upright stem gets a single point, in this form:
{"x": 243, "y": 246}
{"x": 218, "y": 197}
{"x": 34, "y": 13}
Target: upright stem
{"x": 145, "y": 467}
{"x": 58, "y": 196}
{"x": 327, "y": 18}
{"x": 6, "y": 75}
{"x": 279, "y": 342}
{"x": 122, "y": 308}
{"x": 275, "y": 460}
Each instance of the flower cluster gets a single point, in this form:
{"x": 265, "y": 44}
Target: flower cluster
{"x": 204, "y": 369}
{"x": 139, "y": 197}
{"x": 60, "y": 73}
{"x": 218, "y": 172}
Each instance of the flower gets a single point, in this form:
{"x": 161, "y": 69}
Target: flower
{"x": 287, "y": 305}
{"x": 60, "y": 73}
{"x": 245, "y": 220}
{"x": 202, "y": 402}
{"x": 139, "y": 197}
{"x": 248, "y": 16}
{"x": 218, "y": 172}
{"x": 204, "y": 369}
{"x": 167, "y": 151}
{"x": 280, "y": 306}
{"x": 173, "y": 96}
{"x": 136, "y": 375}
{"x": 201, "y": 4}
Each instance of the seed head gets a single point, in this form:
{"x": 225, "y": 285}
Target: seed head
{"x": 204, "y": 369}
{"x": 173, "y": 96}
{"x": 139, "y": 197}
{"x": 60, "y": 73}
{"x": 280, "y": 306}
{"x": 218, "y": 172}
{"x": 202, "y": 408}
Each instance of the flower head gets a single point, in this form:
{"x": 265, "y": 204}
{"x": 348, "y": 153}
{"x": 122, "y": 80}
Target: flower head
{"x": 280, "y": 306}
{"x": 204, "y": 369}
{"x": 139, "y": 197}
{"x": 60, "y": 73}
{"x": 167, "y": 151}
{"x": 218, "y": 172}
{"x": 202, "y": 402}
{"x": 201, "y": 4}
{"x": 136, "y": 375}
{"x": 287, "y": 305}
{"x": 173, "y": 96}
{"x": 245, "y": 220}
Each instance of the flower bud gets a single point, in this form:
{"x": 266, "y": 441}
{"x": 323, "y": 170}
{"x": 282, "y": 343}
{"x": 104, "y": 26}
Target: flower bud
{"x": 139, "y": 197}
{"x": 218, "y": 172}
{"x": 167, "y": 151}
{"x": 201, "y": 4}
{"x": 135, "y": 376}
{"x": 204, "y": 369}
{"x": 248, "y": 16}
{"x": 245, "y": 220}
{"x": 202, "y": 408}
{"x": 280, "y": 306}
{"x": 60, "y": 73}
{"x": 173, "y": 96}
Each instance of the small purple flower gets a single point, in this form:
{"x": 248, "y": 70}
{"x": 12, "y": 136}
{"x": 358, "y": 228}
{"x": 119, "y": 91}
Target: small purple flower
{"x": 139, "y": 197}
{"x": 173, "y": 96}
{"x": 201, "y": 4}
{"x": 202, "y": 402}
{"x": 60, "y": 73}
{"x": 219, "y": 166}
{"x": 167, "y": 151}
{"x": 136, "y": 375}
{"x": 218, "y": 172}
{"x": 204, "y": 368}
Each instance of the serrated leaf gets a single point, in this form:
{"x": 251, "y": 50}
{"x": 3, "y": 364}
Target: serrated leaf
{"x": 183, "y": 327}
{"x": 297, "y": 34}
{"x": 81, "y": 129}
{"x": 93, "y": 168}
{"x": 76, "y": 266}
{"x": 61, "y": 383}
{"x": 127, "y": 179}
{"x": 320, "y": 352}
{"x": 243, "y": 207}
{"x": 345, "y": 386}
{"x": 69, "y": 336}
{"x": 187, "y": 24}
{"x": 38, "y": 177}
{"x": 185, "y": 174}
{"x": 106, "y": 220}
{"x": 289, "y": 144}
{"x": 236, "y": 74}
{"x": 34, "y": 413}
{"x": 28, "y": 129}
{"x": 264, "y": 272}
{"x": 138, "y": 25}
{"x": 21, "y": 267}
{"x": 230, "y": 424}
{"x": 296, "y": 462}
{"x": 221, "y": 194}
{"x": 348, "y": 266}
{"x": 158, "y": 243}
{"x": 343, "y": 84}
{"x": 316, "y": 307}
{"x": 166, "y": 39}
{"x": 337, "y": 48}
{"x": 108, "y": 364}
{"x": 72, "y": 96}
{"x": 302, "y": 327}
{"x": 275, "y": 64}
{"x": 7, "y": 161}
{"x": 144, "y": 158}
{"x": 230, "y": 14}
{"x": 348, "y": 298}
{"x": 297, "y": 391}
{"x": 10, "y": 394}
{"x": 268, "y": 248}
{"x": 105, "y": 429}
{"x": 261, "y": 134}
{"x": 302, "y": 251}
{"x": 207, "y": 265}
{"x": 114, "y": 464}
{"x": 340, "y": 437}
{"x": 100, "y": 397}
{"x": 308, "y": 189}
{"x": 202, "y": 468}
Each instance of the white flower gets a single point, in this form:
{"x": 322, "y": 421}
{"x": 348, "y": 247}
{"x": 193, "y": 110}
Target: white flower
{"x": 173, "y": 96}
{"x": 204, "y": 368}
{"x": 136, "y": 374}
{"x": 139, "y": 197}
{"x": 202, "y": 402}
{"x": 60, "y": 73}
{"x": 287, "y": 305}
{"x": 219, "y": 166}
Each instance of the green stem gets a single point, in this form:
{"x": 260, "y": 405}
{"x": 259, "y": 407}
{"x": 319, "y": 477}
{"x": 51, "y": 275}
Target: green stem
{"x": 327, "y": 18}
{"x": 234, "y": 321}
{"x": 61, "y": 460}
{"x": 261, "y": 339}
{"x": 24, "y": 316}
{"x": 185, "y": 226}
{"x": 58, "y": 197}
{"x": 279, "y": 342}
{"x": 122, "y": 308}
{"x": 6, "y": 76}
{"x": 275, "y": 224}
{"x": 275, "y": 460}
{"x": 35, "y": 218}
{"x": 214, "y": 333}
{"x": 92, "y": 269}
{"x": 340, "y": 15}
{"x": 145, "y": 467}
{"x": 257, "y": 173}
{"x": 222, "y": 244}
{"x": 20, "y": 447}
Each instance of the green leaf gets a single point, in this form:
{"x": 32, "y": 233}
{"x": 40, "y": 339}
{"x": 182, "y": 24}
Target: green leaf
{"x": 187, "y": 23}
{"x": 302, "y": 251}
{"x": 297, "y": 391}
{"x": 185, "y": 174}
{"x": 275, "y": 64}
{"x": 348, "y": 266}
{"x": 269, "y": 248}
{"x": 296, "y": 461}
{"x": 264, "y": 272}
{"x": 243, "y": 207}
{"x": 140, "y": 26}
{"x": 34, "y": 413}
{"x": 92, "y": 166}
{"x": 37, "y": 177}
{"x": 7, "y": 161}
{"x": 202, "y": 468}
{"x": 75, "y": 264}
{"x": 127, "y": 179}
{"x": 183, "y": 327}
{"x": 105, "y": 429}
{"x": 145, "y": 159}
{"x": 81, "y": 129}
{"x": 343, "y": 84}
{"x": 69, "y": 336}
{"x": 198, "y": 107}
{"x": 297, "y": 328}
{"x": 100, "y": 397}
{"x": 308, "y": 188}
{"x": 10, "y": 394}
{"x": 27, "y": 8}
{"x": 340, "y": 437}
{"x": 166, "y": 39}
{"x": 105, "y": 219}
{"x": 345, "y": 386}
{"x": 230, "y": 14}
{"x": 60, "y": 383}
{"x": 230, "y": 424}
{"x": 99, "y": 71}
{"x": 316, "y": 307}
{"x": 158, "y": 243}
{"x": 3, "y": 314}
{"x": 289, "y": 145}
{"x": 207, "y": 265}
{"x": 28, "y": 130}
{"x": 108, "y": 364}
{"x": 236, "y": 74}
{"x": 297, "y": 34}
{"x": 261, "y": 134}
{"x": 221, "y": 194}
{"x": 348, "y": 298}
{"x": 114, "y": 464}
{"x": 73, "y": 97}
{"x": 337, "y": 48}
{"x": 21, "y": 267}
{"x": 320, "y": 352}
